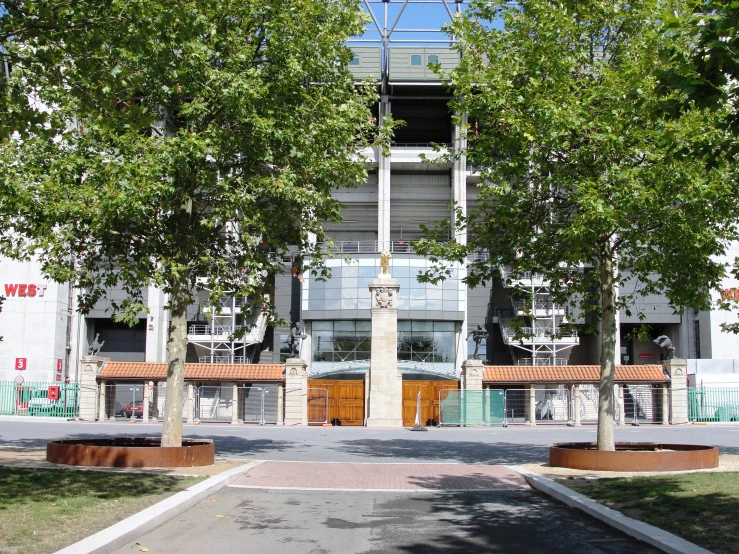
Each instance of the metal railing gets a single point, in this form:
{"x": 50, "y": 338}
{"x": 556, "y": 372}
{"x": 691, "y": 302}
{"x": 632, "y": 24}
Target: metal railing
{"x": 540, "y": 361}
{"x": 37, "y": 398}
{"x": 368, "y": 247}
{"x": 549, "y": 405}
{"x": 213, "y": 329}
{"x": 224, "y": 359}
{"x": 548, "y": 333}
{"x": 123, "y": 401}
{"x": 589, "y": 403}
{"x": 713, "y": 404}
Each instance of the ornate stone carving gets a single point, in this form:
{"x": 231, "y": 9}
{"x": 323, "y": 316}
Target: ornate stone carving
{"x": 384, "y": 297}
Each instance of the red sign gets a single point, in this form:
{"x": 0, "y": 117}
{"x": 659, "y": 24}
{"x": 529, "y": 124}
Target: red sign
{"x": 20, "y": 363}
{"x": 59, "y": 365}
{"x": 646, "y": 355}
{"x": 53, "y": 393}
{"x": 58, "y": 376}
{"x": 730, "y": 294}
{"x": 24, "y": 290}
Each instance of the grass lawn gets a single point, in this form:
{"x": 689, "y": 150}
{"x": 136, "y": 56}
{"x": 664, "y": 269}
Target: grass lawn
{"x": 700, "y": 507}
{"x": 43, "y": 510}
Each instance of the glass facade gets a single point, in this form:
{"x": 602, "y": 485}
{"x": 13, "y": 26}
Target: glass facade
{"x": 347, "y": 289}
{"x": 347, "y": 344}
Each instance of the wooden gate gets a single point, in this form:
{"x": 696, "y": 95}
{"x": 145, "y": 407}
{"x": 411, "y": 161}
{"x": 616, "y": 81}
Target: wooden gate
{"x": 429, "y": 400}
{"x": 345, "y": 400}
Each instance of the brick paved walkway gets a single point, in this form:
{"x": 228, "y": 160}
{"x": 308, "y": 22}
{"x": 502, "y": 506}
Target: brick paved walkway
{"x": 387, "y": 477}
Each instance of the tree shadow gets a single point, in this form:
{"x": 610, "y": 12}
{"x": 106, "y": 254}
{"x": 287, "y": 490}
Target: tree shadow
{"x": 466, "y": 452}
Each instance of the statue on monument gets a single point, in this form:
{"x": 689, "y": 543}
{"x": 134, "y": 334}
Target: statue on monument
{"x": 385, "y": 262}
{"x": 294, "y": 339}
{"x": 665, "y": 344}
{"x": 478, "y": 335}
{"x": 95, "y": 347}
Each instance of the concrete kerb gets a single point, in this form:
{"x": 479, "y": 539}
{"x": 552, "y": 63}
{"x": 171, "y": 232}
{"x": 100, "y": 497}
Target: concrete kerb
{"x": 129, "y": 529}
{"x": 649, "y": 534}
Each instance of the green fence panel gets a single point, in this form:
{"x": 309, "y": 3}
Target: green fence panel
{"x": 713, "y": 403}
{"x": 53, "y": 399}
{"x": 472, "y": 408}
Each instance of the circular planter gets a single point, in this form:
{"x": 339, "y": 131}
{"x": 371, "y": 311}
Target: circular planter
{"x": 633, "y": 456}
{"x": 130, "y": 452}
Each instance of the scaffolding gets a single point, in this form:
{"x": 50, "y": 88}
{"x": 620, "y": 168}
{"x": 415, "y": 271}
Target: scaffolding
{"x": 228, "y": 336}
{"x": 542, "y": 340}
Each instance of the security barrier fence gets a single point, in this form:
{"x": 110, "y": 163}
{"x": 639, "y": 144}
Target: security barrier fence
{"x": 471, "y": 407}
{"x": 51, "y": 399}
{"x": 713, "y": 403}
{"x": 589, "y": 404}
{"x": 644, "y": 404}
{"x": 550, "y": 405}
{"x": 124, "y": 401}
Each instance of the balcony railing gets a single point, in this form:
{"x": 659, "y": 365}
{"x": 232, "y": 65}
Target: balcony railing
{"x": 368, "y": 247}
{"x": 213, "y": 329}
{"x": 541, "y": 361}
{"x": 223, "y": 359}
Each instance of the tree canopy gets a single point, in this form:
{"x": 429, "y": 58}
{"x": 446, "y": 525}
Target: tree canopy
{"x": 182, "y": 145}
{"x": 583, "y": 181}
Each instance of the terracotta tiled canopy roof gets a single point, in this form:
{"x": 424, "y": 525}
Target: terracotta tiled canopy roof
{"x": 571, "y": 374}
{"x": 150, "y": 371}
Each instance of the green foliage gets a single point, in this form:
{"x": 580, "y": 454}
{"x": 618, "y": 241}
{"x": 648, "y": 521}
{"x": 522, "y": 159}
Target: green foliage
{"x": 580, "y": 167}
{"x": 190, "y": 140}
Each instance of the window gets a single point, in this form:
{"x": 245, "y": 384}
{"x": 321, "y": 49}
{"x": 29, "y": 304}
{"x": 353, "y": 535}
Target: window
{"x": 355, "y": 61}
{"x": 433, "y": 58}
{"x": 416, "y": 59}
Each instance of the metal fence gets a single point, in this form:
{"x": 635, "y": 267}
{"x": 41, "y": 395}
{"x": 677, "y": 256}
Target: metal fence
{"x": 214, "y": 403}
{"x": 54, "y": 399}
{"x": 713, "y": 404}
{"x": 472, "y": 407}
{"x": 123, "y": 400}
{"x": 258, "y": 404}
{"x": 550, "y": 405}
{"x": 644, "y": 404}
{"x": 589, "y": 402}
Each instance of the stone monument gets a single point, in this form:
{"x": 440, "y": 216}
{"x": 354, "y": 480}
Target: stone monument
{"x": 385, "y": 398}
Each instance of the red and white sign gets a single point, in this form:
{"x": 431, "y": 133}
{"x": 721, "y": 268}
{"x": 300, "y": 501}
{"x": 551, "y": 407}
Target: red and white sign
{"x": 24, "y": 290}
{"x": 730, "y": 294}
{"x": 20, "y": 363}
{"x": 59, "y": 365}
{"x": 646, "y": 355}
{"x": 58, "y": 376}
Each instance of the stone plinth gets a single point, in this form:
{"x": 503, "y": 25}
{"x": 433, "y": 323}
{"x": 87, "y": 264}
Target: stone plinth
{"x": 678, "y": 371}
{"x": 472, "y": 402}
{"x": 89, "y": 367}
{"x": 296, "y": 392}
{"x": 385, "y": 398}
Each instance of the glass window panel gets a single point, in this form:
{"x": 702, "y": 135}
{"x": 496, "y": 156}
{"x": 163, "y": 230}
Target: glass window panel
{"x": 355, "y": 60}
{"x": 333, "y": 304}
{"x": 315, "y": 285}
{"x": 460, "y": 307}
{"x": 405, "y": 284}
{"x": 349, "y": 271}
{"x": 433, "y": 294}
{"x": 450, "y": 306}
{"x": 333, "y": 283}
{"x": 333, "y": 294}
{"x": 450, "y": 284}
{"x": 322, "y": 326}
{"x": 364, "y": 304}
{"x": 316, "y": 294}
{"x": 416, "y": 59}
{"x": 433, "y": 58}
{"x": 444, "y": 326}
{"x": 433, "y": 304}
{"x": 404, "y": 325}
{"x": 305, "y": 304}
{"x": 399, "y": 271}
{"x": 417, "y": 304}
{"x": 349, "y": 283}
{"x": 343, "y": 326}
{"x": 349, "y": 304}
{"x": 403, "y": 303}
{"x": 422, "y": 326}
{"x": 418, "y": 293}
{"x": 450, "y": 295}
{"x": 364, "y": 325}
{"x": 316, "y": 304}
{"x": 367, "y": 271}
{"x": 349, "y": 293}
{"x": 364, "y": 282}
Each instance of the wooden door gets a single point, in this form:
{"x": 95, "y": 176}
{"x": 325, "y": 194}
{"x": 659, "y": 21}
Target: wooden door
{"x": 345, "y": 400}
{"x": 429, "y": 400}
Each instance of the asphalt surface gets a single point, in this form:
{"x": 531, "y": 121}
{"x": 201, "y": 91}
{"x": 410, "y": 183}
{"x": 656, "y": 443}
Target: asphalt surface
{"x": 496, "y": 445}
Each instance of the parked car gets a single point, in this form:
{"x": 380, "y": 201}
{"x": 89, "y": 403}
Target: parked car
{"x": 39, "y": 402}
{"x": 134, "y": 410}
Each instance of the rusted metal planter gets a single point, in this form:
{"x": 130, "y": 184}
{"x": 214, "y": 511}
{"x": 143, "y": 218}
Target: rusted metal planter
{"x": 130, "y": 452}
{"x": 633, "y": 456}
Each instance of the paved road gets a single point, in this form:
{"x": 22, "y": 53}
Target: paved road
{"x": 314, "y": 517}
{"x": 358, "y": 444}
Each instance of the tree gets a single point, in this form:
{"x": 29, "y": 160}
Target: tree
{"x": 582, "y": 181}
{"x": 193, "y": 143}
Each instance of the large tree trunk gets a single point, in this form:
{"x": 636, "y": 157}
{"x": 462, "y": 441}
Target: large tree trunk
{"x": 176, "y": 350}
{"x": 608, "y": 349}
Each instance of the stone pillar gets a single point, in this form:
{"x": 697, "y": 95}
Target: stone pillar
{"x": 89, "y": 367}
{"x": 190, "y": 403}
{"x": 576, "y": 402}
{"x": 385, "y": 406}
{"x": 678, "y": 372}
{"x": 383, "y": 187}
{"x": 473, "y": 404}
{"x": 531, "y": 405}
{"x": 101, "y": 401}
{"x": 145, "y": 417}
{"x": 665, "y": 405}
{"x": 280, "y": 405}
{"x": 296, "y": 392}
{"x": 235, "y": 404}
{"x": 621, "y": 420}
